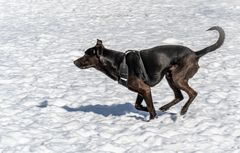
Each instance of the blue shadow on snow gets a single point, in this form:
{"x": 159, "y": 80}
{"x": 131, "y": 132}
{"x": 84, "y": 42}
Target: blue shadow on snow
{"x": 114, "y": 110}
{"x": 105, "y": 110}
{"x": 117, "y": 110}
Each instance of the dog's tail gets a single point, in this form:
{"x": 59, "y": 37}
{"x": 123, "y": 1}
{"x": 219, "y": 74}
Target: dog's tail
{"x": 214, "y": 46}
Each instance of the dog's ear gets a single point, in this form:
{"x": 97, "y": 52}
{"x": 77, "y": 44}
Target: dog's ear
{"x": 99, "y": 42}
{"x": 99, "y": 47}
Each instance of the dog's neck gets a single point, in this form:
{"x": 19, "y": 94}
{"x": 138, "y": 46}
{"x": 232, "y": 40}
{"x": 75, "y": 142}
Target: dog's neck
{"x": 109, "y": 63}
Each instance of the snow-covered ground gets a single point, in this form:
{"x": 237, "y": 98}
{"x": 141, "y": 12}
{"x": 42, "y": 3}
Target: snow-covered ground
{"x": 48, "y": 105}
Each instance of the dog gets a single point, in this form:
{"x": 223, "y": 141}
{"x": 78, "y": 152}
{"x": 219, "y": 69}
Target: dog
{"x": 141, "y": 70}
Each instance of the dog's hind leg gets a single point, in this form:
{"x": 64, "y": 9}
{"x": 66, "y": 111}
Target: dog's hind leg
{"x": 138, "y": 103}
{"x": 182, "y": 74}
{"x": 183, "y": 84}
{"x": 177, "y": 93}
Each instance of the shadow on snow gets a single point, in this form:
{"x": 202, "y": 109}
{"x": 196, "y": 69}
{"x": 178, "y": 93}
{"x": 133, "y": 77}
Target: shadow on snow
{"x": 116, "y": 110}
{"x": 112, "y": 110}
{"x": 105, "y": 110}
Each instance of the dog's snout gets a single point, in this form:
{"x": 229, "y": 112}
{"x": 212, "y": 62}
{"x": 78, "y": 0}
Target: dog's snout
{"x": 75, "y": 62}
{"x": 83, "y": 63}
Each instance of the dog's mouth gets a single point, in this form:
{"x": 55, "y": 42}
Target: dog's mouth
{"x": 82, "y": 66}
{"x": 85, "y": 67}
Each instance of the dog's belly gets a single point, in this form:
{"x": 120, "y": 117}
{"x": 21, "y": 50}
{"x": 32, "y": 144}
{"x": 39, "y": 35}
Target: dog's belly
{"x": 155, "y": 68}
{"x": 154, "y": 79}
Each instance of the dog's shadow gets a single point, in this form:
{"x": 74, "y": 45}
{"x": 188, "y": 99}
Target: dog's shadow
{"x": 105, "y": 110}
{"x": 116, "y": 110}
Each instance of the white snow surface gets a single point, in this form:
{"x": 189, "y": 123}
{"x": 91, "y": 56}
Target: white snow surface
{"x": 47, "y": 105}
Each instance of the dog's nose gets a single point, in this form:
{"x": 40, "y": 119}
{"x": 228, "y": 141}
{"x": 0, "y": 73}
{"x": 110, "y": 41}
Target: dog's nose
{"x": 75, "y": 63}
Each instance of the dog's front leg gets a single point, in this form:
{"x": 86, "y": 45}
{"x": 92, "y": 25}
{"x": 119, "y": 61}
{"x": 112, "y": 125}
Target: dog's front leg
{"x": 138, "y": 103}
{"x": 138, "y": 85}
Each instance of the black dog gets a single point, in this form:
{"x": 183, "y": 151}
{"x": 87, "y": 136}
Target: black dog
{"x": 140, "y": 70}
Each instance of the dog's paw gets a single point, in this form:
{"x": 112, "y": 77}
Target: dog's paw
{"x": 142, "y": 108}
{"x": 183, "y": 111}
{"x": 163, "y": 108}
{"x": 153, "y": 115}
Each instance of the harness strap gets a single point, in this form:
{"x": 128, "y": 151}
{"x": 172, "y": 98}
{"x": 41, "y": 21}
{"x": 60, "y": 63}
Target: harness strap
{"x": 123, "y": 69}
{"x": 145, "y": 75}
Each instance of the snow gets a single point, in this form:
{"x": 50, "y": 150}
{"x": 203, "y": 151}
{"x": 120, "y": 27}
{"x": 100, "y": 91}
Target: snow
{"x": 48, "y": 105}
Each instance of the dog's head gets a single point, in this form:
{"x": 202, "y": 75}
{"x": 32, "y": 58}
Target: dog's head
{"x": 91, "y": 56}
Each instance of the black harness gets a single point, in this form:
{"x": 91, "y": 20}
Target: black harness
{"x": 123, "y": 68}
